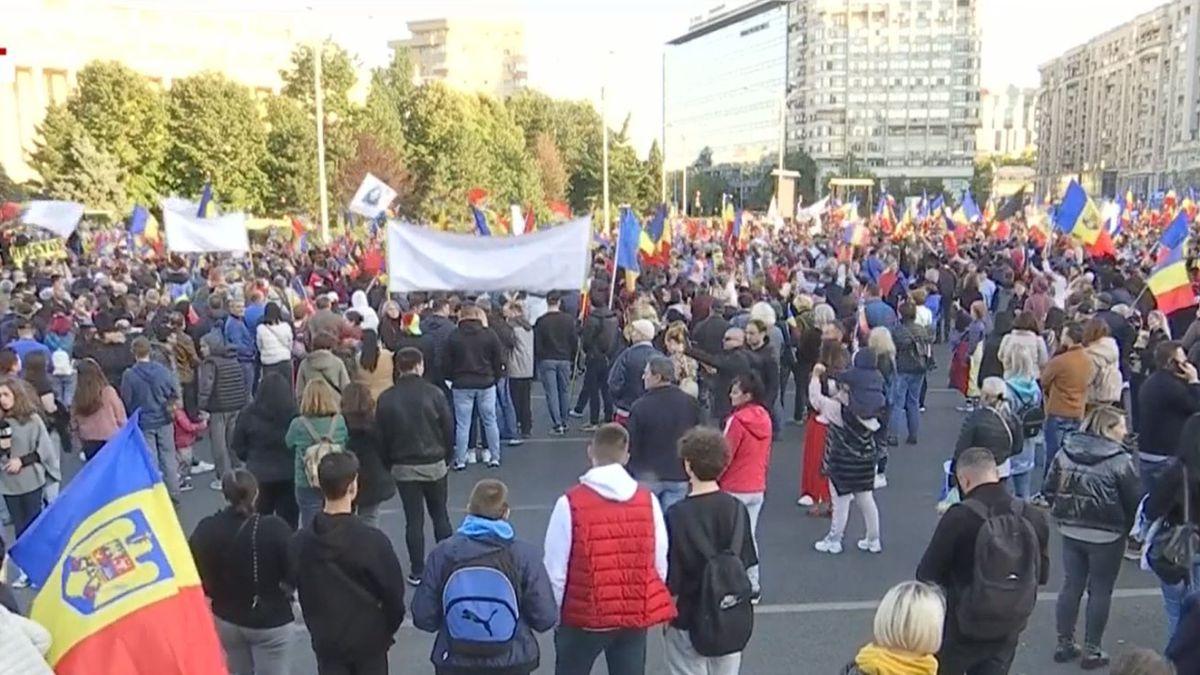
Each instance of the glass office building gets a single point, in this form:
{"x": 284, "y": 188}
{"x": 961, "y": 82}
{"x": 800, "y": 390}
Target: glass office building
{"x": 724, "y": 83}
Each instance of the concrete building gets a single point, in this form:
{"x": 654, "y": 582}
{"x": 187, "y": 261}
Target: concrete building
{"x": 1006, "y": 122}
{"x": 470, "y": 55}
{"x": 49, "y": 41}
{"x": 1122, "y": 111}
{"x": 891, "y": 86}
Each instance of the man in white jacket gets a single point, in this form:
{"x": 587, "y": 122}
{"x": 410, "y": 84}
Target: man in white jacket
{"x": 606, "y": 556}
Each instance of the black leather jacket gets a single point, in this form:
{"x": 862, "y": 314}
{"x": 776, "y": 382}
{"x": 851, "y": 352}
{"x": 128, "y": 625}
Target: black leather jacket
{"x": 1093, "y": 483}
{"x": 415, "y": 423}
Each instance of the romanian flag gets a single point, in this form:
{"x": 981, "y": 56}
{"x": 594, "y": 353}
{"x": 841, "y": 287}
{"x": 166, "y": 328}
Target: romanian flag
{"x": 1170, "y": 284}
{"x": 1078, "y": 216}
{"x": 117, "y": 588}
{"x": 885, "y": 213}
{"x": 856, "y": 234}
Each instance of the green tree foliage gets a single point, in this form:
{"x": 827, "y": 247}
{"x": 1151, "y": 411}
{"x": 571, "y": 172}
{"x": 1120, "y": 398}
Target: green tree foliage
{"x": 712, "y": 186}
{"x": 94, "y": 178}
{"x": 125, "y": 118}
{"x": 388, "y": 101}
{"x": 373, "y": 156}
{"x": 650, "y": 189}
{"x": 806, "y": 184}
{"x": 551, "y": 170}
{"x": 216, "y": 135}
{"x": 9, "y": 190}
{"x": 290, "y": 162}
{"x": 981, "y": 181}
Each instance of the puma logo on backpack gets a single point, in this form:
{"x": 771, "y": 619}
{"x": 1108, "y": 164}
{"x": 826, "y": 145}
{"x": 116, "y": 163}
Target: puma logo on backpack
{"x": 480, "y": 605}
{"x": 1003, "y": 589}
{"x": 314, "y": 453}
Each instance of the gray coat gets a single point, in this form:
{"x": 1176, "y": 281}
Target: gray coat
{"x": 30, "y": 437}
{"x": 520, "y": 360}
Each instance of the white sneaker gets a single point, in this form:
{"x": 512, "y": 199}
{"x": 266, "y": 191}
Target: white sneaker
{"x": 472, "y": 457}
{"x": 828, "y": 545}
{"x": 21, "y": 582}
{"x": 215, "y": 485}
{"x": 487, "y": 457}
{"x": 870, "y": 545}
{"x": 202, "y": 467}
{"x": 880, "y": 481}
{"x": 805, "y": 501}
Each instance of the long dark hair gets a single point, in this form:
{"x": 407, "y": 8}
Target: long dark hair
{"x": 89, "y": 388}
{"x": 240, "y": 488}
{"x": 272, "y": 314}
{"x": 34, "y": 371}
{"x": 358, "y": 406}
{"x": 368, "y": 357}
{"x": 274, "y": 401}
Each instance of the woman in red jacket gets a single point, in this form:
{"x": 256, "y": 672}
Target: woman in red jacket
{"x": 748, "y": 432}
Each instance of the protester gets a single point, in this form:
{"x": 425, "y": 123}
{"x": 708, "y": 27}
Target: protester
{"x": 485, "y": 568}
{"x": 350, "y": 583}
{"x": 274, "y": 339}
{"x": 520, "y": 369}
{"x": 907, "y": 633}
{"x": 260, "y": 442}
{"x": 1168, "y": 397}
{"x": 97, "y": 412}
{"x": 656, "y": 423}
{"x": 991, "y": 426}
{"x": 764, "y": 359}
{"x": 319, "y": 429}
{"x": 1176, "y": 485}
{"x": 554, "y": 345}
{"x": 375, "y": 485}
{"x": 1025, "y": 404}
{"x": 706, "y": 523}
{"x": 475, "y": 363}
{"x": 748, "y": 435}
{"x": 805, "y": 327}
{"x": 1065, "y": 380}
{"x": 1024, "y": 340}
{"x": 814, "y": 487}
{"x": 1106, "y": 385}
{"x": 223, "y": 392}
{"x": 244, "y": 565}
{"x": 30, "y": 460}
{"x": 417, "y": 428}
{"x": 625, "y": 376}
{"x": 1093, "y": 491}
{"x": 984, "y": 620}
{"x": 240, "y": 337}
{"x": 734, "y": 359}
{"x": 913, "y": 354}
{"x": 148, "y": 388}
{"x": 375, "y": 365}
{"x": 599, "y": 339}
{"x": 321, "y": 364}
{"x": 24, "y": 644}
{"x": 609, "y": 580}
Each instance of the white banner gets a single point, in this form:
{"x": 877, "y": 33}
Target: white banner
{"x": 518, "y": 220}
{"x": 421, "y": 259}
{"x": 373, "y": 197}
{"x": 61, "y": 218}
{"x": 188, "y": 233}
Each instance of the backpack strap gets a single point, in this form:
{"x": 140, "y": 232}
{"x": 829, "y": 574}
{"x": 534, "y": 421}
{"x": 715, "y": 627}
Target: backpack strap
{"x": 977, "y": 507}
{"x": 326, "y": 437}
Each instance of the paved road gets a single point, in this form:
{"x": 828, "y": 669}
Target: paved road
{"x": 816, "y": 608}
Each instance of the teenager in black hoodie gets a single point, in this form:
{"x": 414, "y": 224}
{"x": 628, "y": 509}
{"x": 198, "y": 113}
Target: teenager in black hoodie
{"x": 350, "y": 582}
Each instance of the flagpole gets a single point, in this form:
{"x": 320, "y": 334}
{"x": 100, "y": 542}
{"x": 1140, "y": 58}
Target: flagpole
{"x": 662, "y": 168}
{"x": 612, "y": 287}
{"x": 604, "y": 128}
{"x": 319, "y": 96}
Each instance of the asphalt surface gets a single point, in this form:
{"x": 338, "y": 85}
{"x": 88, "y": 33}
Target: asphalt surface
{"x": 816, "y": 608}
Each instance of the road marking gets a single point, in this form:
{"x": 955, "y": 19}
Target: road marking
{"x": 866, "y": 605}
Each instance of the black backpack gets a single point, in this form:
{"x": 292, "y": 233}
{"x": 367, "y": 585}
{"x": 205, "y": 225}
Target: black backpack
{"x": 1003, "y": 589}
{"x": 724, "y": 616}
{"x": 1030, "y": 414}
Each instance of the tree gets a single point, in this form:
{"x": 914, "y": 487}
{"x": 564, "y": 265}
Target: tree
{"x": 373, "y": 156}
{"x": 216, "y": 135}
{"x": 981, "y": 181}
{"x": 290, "y": 162}
{"x": 337, "y": 78}
{"x": 124, "y": 116}
{"x": 806, "y": 185}
{"x": 382, "y": 116}
{"x": 9, "y": 190}
{"x": 94, "y": 178}
{"x": 712, "y": 186}
{"x": 704, "y": 159}
{"x": 551, "y": 171}
{"x": 651, "y": 184}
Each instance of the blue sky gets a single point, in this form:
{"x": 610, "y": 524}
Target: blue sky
{"x": 575, "y": 45}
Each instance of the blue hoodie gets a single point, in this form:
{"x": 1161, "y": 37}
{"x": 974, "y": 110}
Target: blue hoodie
{"x": 150, "y": 387}
{"x": 538, "y": 611}
{"x": 241, "y": 337}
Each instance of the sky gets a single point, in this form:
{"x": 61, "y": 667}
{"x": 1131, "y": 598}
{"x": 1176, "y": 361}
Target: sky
{"x": 576, "y": 46}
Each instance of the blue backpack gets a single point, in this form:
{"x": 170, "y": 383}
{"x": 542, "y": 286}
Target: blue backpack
{"x": 480, "y": 605}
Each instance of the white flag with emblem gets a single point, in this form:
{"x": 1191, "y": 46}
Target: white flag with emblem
{"x": 373, "y": 197}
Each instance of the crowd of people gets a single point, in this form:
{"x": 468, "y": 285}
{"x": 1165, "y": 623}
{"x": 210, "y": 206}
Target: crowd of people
{"x": 319, "y": 396}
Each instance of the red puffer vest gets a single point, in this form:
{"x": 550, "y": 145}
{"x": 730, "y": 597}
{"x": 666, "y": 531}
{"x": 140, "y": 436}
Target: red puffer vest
{"x": 611, "y": 579}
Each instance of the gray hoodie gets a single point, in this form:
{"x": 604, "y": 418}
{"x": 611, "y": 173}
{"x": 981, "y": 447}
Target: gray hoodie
{"x": 30, "y": 437}
{"x": 322, "y": 364}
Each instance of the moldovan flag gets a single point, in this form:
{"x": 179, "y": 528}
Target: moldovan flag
{"x": 117, "y": 588}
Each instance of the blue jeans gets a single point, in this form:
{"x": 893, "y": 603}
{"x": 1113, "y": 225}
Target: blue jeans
{"x": 669, "y": 492}
{"x": 576, "y": 650}
{"x": 485, "y": 401}
{"x": 906, "y": 402}
{"x": 310, "y": 501}
{"x": 506, "y": 412}
{"x": 1173, "y": 596}
{"x": 554, "y": 376}
{"x": 1056, "y": 427}
{"x": 161, "y": 443}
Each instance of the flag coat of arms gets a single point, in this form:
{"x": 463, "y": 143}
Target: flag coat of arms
{"x": 116, "y": 584}
{"x": 372, "y": 198}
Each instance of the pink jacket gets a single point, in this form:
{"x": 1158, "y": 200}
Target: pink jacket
{"x": 102, "y": 424}
{"x": 186, "y": 430}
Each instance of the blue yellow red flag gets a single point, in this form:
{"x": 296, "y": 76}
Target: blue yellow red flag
{"x": 116, "y": 584}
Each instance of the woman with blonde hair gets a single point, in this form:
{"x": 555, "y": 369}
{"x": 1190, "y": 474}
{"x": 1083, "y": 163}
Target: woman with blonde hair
{"x": 883, "y": 348}
{"x": 676, "y": 339}
{"x": 1093, "y": 490}
{"x": 319, "y": 421}
{"x": 907, "y": 633}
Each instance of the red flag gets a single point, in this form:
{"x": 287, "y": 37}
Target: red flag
{"x": 951, "y": 243}
{"x": 530, "y": 222}
{"x": 1103, "y": 248}
{"x": 1002, "y": 230}
{"x": 559, "y": 209}
{"x": 476, "y": 195}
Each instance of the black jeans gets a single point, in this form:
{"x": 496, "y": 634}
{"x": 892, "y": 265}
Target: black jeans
{"x": 1093, "y": 567}
{"x": 418, "y": 496}
{"x": 279, "y": 497}
{"x": 575, "y": 650}
{"x": 976, "y": 658}
{"x": 375, "y": 664}
{"x": 90, "y": 448}
{"x": 595, "y": 391}
{"x": 803, "y": 373}
{"x": 519, "y": 389}
{"x": 23, "y": 509}
{"x": 946, "y": 325}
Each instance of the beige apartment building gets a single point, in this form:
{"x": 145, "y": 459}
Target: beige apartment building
{"x": 49, "y": 41}
{"x": 1122, "y": 111}
{"x": 1007, "y": 120}
{"x": 468, "y": 54}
